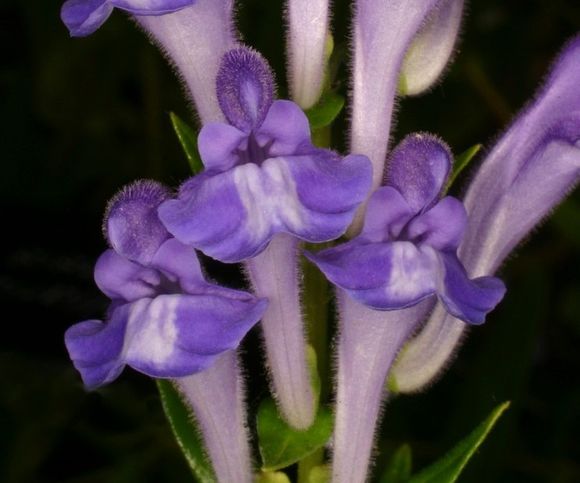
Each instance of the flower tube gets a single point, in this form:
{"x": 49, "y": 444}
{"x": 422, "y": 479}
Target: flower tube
{"x": 383, "y": 31}
{"x": 404, "y": 256}
{"x": 532, "y": 167}
{"x": 264, "y": 188}
{"x": 369, "y": 341}
{"x": 193, "y": 34}
{"x": 306, "y": 42}
{"x": 165, "y": 320}
{"x": 221, "y": 419}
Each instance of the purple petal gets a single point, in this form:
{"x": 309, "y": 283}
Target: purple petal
{"x": 387, "y": 213}
{"x": 179, "y": 263}
{"x": 210, "y": 216}
{"x": 151, "y": 7}
{"x": 83, "y": 17}
{"x": 131, "y": 223}
{"x": 383, "y": 276}
{"x": 468, "y": 300}
{"x": 530, "y": 170}
{"x": 122, "y": 279}
{"x": 441, "y": 227}
{"x": 218, "y": 146}
{"x": 168, "y": 336}
{"x": 245, "y": 88}
{"x": 178, "y": 335}
{"x": 417, "y": 168}
{"x": 286, "y": 127}
{"x": 96, "y": 348}
{"x": 232, "y": 216}
{"x": 328, "y": 189}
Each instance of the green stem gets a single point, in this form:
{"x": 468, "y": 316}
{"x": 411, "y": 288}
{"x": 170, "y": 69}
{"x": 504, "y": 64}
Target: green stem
{"x": 316, "y": 296}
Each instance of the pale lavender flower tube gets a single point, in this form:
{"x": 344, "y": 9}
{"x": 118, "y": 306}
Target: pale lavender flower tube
{"x": 274, "y": 275}
{"x": 194, "y": 41}
{"x": 216, "y": 397}
{"x": 193, "y": 34}
{"x": 383, "y": 31}
{"x": 306, "y": 41}
{"x": 369, "y": 341}
{"x": 535, "y": 163}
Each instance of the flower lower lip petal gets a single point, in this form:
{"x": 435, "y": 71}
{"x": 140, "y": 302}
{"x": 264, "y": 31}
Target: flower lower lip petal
{"x": 83, "y": 17}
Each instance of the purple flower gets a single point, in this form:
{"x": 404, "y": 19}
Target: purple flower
{"x": 406, "y": 251}
{"x": 263, "y": 176}
{"x": 529, "y": 171}
{"x": 165, "y": 319}
{"x": 83, "y": 17}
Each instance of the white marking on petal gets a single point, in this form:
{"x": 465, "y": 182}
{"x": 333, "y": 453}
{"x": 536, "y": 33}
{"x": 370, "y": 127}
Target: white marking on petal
{"x": 268, "y": 194}
{"x": 153, "y": 330}
{"x": 411, "y": 272}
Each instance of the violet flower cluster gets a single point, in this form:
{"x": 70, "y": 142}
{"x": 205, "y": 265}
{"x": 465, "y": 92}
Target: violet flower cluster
{"x": 415, "y": 268}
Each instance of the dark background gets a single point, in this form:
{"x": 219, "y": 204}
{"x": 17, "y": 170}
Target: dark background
{"x": 80, "y": 118}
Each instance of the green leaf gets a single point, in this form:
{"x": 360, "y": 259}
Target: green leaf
{"x": 272, "y": 477}
{"x": 461, "y": 162}
{"x": 325, "y": 111}
{"x": 281, "y": 445}
{"x": 188, "y": 140}
{"x": 185, "y": 431}
{"x": 448, "y": 469}
{"x": 399, "y": 468}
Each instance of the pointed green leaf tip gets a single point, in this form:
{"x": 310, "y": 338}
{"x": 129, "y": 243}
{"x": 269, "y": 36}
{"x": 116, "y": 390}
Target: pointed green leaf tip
{"x": 461, "y": 162}
{"x": 325, "y": 111}
{"x": 185, "y": 431}
{"x": 399, "y": 468}
{"x": 281, "y": 445}
{"x": 448, "y": 469}
{"x": 188, "y": 140}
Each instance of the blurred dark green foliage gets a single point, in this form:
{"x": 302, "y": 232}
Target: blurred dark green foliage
{"x": 81, "y": 117}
